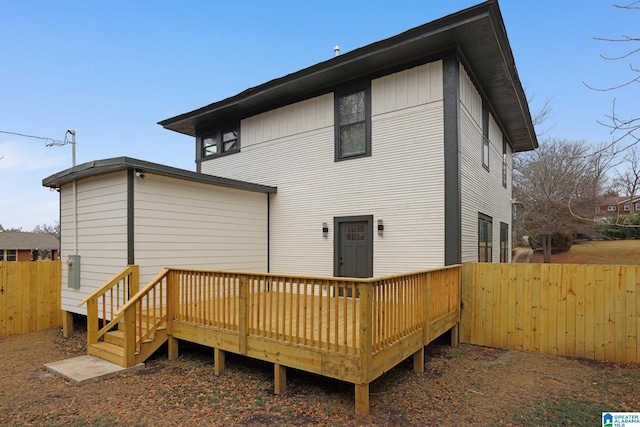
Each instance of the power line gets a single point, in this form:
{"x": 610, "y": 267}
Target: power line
{"x": 48, "y": 141}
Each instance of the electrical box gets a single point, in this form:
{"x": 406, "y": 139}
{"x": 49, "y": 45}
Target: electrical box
{"x": 73, "y": 268}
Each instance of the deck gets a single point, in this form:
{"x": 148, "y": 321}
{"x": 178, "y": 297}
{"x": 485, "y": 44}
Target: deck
{"x": 348, "y": 329}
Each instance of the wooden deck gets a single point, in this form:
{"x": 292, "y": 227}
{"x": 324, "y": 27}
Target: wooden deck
{"x": 349, "y": 329}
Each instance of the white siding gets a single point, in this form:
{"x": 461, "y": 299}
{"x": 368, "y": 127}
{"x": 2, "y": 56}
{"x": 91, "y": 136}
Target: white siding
{"x": 482, "y": 190}
{"x": 187, "y": 224}
{"x": 102, "y": 234}
{"x": 402, "y": 182}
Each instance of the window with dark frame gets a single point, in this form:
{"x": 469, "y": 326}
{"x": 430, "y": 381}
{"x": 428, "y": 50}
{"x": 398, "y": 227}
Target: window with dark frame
{"x": 485, "y": 137}
{"x": 353, "y": 124}
{"x": 12, "y": 255}
{"x": 485, "y": 232}
{"x": 504, "y": 242}
{"x": 504, "y": 163}
{"x": 220, "y": 142}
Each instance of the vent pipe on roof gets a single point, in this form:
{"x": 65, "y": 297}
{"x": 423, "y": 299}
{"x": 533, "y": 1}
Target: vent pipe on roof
{"x": 336, "y": 49}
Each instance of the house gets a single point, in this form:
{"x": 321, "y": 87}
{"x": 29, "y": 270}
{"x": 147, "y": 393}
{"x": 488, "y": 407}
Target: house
{"x": 394, "y": 157}
{"x": 617, "y": 205}
{"x": 24, "y": 246}
{"x": 408, "y": 141}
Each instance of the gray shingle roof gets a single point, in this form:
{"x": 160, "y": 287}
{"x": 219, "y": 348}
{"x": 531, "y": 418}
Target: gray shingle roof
{"x": 23, "y": 240}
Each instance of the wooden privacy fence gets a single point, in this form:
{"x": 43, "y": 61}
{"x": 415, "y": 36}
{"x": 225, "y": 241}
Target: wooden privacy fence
{"x": 590, "y": 311}
{"x": 29, "y": 296}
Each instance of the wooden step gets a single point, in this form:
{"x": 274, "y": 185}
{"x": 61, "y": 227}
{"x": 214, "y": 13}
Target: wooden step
{"x": 115, "y": 337}
{"x": 107, "y": 351}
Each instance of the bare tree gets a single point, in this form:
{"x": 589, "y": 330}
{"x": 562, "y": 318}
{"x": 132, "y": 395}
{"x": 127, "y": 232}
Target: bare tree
{"x": 557, "y": 186}
{"x": 53, "y": 229}
{"x": 625, "y": 128}
{"x": 629, "y": 180}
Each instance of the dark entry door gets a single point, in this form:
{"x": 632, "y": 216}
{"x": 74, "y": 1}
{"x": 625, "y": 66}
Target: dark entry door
{"x": 354, "y": 247}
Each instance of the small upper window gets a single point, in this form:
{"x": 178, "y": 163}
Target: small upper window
{"x": 485, "y": 137}
{"x": 353, "y": 124}
{"x": 504, "y": 163}
{"x": 220, "y": 142}
{"x": 612, "y": 208}
{"x": 626, "y": 207}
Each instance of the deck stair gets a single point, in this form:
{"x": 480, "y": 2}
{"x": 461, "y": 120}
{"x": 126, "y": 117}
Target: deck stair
{"x": 126, "y": 326}
{"x": 112, "y": 347}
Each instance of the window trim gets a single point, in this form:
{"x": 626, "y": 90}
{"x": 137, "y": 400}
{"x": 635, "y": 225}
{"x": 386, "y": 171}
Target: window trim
{"x": 504, "y": 243}
{"x": 612, "y": 208}
{"x": 504, "y": 162}
{"x": 486, "y": 219}
{"x": 217, "y": 132}
{"x": 366, "y": 87}
{"x": 486, "y": 142}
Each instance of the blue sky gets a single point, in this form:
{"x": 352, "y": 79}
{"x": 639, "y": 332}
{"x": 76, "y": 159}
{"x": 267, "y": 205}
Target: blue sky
{"x": 112, "y": 70}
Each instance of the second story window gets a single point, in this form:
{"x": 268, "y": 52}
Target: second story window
{"x": 220, "y": 142}
{"x": 504, "y": 163}
{"x": 353, "y": 124}
{"x": 485, "y": 136}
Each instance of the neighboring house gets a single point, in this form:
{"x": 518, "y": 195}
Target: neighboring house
{"x": 617, "y": 205}
{"x": 23, "y": 246}
{"x": 390, "y": 158}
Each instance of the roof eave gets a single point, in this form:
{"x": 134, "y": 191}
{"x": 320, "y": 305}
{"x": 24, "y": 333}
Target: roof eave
{"x": 478, "y": 32}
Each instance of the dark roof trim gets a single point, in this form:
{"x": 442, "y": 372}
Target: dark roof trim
{"x": 101, "y": 167}
{"x": 478, "y": 32}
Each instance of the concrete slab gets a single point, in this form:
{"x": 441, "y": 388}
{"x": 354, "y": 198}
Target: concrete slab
{"x": 87, "y": 369}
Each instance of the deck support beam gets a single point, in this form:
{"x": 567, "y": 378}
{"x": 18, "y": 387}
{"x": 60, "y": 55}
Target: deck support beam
{"x": 218, "y": 361}
{"x": 67, "y": 324}
{"x": 418, "y": 360}
{"x": 173, "y": 348}
{"x": 362, "y": 399}
{"x": 280, "y": 378}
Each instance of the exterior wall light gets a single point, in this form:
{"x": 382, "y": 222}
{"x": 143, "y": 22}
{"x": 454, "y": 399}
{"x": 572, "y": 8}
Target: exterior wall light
{"x": 380, "y": 228}
{"x": 325, "y": 229}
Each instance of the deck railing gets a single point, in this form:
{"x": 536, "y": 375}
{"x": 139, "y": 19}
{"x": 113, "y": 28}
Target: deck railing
{"x": 320, "y": 312}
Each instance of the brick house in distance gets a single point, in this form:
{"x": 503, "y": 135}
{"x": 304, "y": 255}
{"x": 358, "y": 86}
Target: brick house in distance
{"x": 24, "y": 246}
{"x": 621, "y": 205}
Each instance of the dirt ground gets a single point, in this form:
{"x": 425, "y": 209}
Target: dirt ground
{"x": 460, "y": 386}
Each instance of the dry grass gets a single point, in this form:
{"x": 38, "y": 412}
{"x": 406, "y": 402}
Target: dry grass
{"x": 469, "y": 385}
{"x": 615, "y": 252}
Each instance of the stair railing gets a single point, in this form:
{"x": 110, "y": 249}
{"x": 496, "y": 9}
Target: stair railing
{"x": 104, "y": 304}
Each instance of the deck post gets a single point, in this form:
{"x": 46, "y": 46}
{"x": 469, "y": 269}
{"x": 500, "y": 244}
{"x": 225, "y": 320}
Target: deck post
{"x": 242, "y": 315}
{"x": 92, "y": 321}
{"x": 418, "y": 360}
{"x": 280, "y": 378}
{"x": 427, "y": 309}
{"x": 365, "y": 347}
{"x": 67, "y": 324}
{"x": 130, "y": 336}
{"x": 362, "y": 399}
{"x": 134, "y": 280}
{"x": 173, "y": 348}
{"x": 218, "y": 361}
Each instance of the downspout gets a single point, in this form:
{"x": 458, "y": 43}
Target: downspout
{"x": 268, "y": 233}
